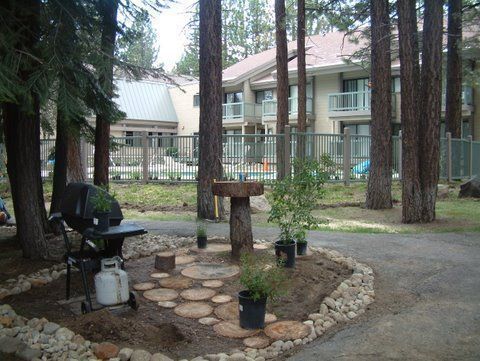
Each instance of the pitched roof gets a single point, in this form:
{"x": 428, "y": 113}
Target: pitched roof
{"x": 145, "y": 100}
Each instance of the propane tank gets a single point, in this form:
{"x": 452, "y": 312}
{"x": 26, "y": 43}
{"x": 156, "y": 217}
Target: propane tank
{"x": 111, "y": 283}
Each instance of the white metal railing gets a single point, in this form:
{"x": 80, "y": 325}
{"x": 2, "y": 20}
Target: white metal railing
{"x": 269, "y": 107}
{"x": 351, "y": 101}
{"x": 240, "y": 110}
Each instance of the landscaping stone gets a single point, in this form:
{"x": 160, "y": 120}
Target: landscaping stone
{"x": 470, "y": 188}
{"x": 140, "y": 355}
{"x": 50, "y": 328}
{"x": 10, "y": 344}
{"x": 160, "y": 357}
{"x": 106, "y": 350}
{"x": 125, "y": 353}
{"x": 64, "y": 334}
{"x": 28, "y": 353}
{"x": 209, "y": 321}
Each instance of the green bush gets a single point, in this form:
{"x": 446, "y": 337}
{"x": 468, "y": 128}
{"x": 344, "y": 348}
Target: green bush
{"x": 295, "y": 197}
{"x": 263, "y": 277}
{"x": 172, "y": 152}
{"x": 102, "y": 201}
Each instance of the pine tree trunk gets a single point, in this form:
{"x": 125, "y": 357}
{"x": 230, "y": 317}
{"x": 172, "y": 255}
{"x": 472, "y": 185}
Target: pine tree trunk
{"x": 409, "y": 75}
{"x": 210, "y": 130}
{"x": 102, "y": 124}
{"x": 302, "y": 79}
{"x": 379, "y": 191}
{"x": 282, "y": 82}
{"x": 453, "y": 107}
{"x": 75, "y": 172}
{"x": 22, "y": 140}
{"x": 429, "y": 130}
{"x": 60, "y": 167}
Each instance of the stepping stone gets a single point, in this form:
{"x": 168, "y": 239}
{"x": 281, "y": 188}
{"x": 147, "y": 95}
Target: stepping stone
{"x": 197, "y": 294}
{"x": 212, "y": 283}
{"x": 144, "y": 286}
{"x": 160, "y": 294}
{"x": 184, "y": 259}
{"x": 260, "y": 246}
{"x": 159, "y": 275}
{"x": 167, "y": 304}
{"x": 213, "y": 248}
{"x": 211, "y": 271}
{"x": 193, "y": 310}
{"x": 209, "y": 321}
{"x": 228, "y": 311}
{"x": 257, "y": 342}
{"x": 287, "y": 330}
{"x": 176, "y": 282}
{"x": 221, "y": 298}
{"x": 233, "y": 330}
{"x": 270, "y": 317}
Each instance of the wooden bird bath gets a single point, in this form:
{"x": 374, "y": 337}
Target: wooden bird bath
{"x": 241, "y": 236}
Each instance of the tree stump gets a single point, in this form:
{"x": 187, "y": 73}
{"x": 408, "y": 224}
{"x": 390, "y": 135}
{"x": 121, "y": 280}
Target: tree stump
{"x": 165, "y": 261}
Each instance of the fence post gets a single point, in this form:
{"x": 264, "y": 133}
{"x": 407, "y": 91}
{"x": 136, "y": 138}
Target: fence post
{"x": 449, "y": 156}
{"x": 400, "y": 165}
{"x": 84, "y": 157}
{"x": 347, "y": 153}
{"x": 287, "y": 151}
{"x": 145, "y": 157}
{"x": 470, "y": 156}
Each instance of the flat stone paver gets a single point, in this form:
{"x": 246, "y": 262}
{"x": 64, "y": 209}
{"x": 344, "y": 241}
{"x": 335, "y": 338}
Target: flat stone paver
{"x": 427, "y": 304}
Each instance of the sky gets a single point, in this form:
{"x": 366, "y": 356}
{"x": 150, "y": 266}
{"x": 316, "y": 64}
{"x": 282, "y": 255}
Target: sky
{"x": 170, "y": 26}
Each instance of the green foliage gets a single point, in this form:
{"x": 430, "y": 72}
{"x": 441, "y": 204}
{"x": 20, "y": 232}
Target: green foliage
{"x": 262, "y": 276}
{"x": 102, "y": 201}
{"x": 137, "y": 44}
{"x": 172, "y": 152}
{"x": 201, "y": 229}
{"x": 295, "y": 197}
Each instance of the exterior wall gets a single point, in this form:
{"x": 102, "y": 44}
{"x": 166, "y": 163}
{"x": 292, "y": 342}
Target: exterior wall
{"x": 188, "y": 115}
{"x": 324, "y": 85}
{"x": 248, "y": 93}
{"x": 476, "y": 109}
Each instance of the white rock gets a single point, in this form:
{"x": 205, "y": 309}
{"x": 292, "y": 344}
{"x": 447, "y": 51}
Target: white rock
{"x": 314, "y": 316}
{"x": 50, "y": 328}
{"x": 330, "y": 302}
{"x": 238, "y": 356}
{"x": 160, "y": 357}
{"x": 323, "y": 309}
{"x": 140, "y": 355}
{"x": 351, "y": 315}
{"x": 125, "y": 354}
{"x": 297, "y": 342}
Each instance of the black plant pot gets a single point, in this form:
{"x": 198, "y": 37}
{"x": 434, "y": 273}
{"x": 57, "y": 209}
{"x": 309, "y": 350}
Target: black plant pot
{"x": 252, "y": 313}
{"x": 301, "y": 249}
{"x": 202, "y": 242}
{"x": 285, "y": 253}
{"x": 103, "y": 221}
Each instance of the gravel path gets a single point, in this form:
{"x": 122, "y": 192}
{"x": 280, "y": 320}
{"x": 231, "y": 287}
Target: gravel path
{"x": 427, "y": 295}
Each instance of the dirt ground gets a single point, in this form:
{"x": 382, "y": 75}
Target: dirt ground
{"x": 160, "y": 330}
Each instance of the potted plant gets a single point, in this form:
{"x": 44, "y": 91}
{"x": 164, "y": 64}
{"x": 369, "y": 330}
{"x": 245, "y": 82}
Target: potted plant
{"x": 102, "y": 206}
{"x": 201, "y": 235}
{"x": 263, "y": 279}
{"x": 293, "y": 200}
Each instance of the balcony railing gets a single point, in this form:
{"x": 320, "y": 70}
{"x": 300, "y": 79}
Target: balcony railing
{"x": 237, "y": 111}
{"x": 269, "y": 107}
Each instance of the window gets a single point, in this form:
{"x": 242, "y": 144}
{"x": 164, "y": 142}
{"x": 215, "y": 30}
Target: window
{"x": 262, "y": 95}
{"x": 236, "y": 97}
{"x": 355, "y": 85}
{"x": 133, "y": 139}
{"x": 196, "y": 100}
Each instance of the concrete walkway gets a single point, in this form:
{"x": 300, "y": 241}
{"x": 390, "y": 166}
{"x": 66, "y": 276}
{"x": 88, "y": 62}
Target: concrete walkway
{"x": 427, "y": 295}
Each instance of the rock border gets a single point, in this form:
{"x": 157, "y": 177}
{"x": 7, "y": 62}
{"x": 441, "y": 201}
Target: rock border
{"x": 38, "y": 339}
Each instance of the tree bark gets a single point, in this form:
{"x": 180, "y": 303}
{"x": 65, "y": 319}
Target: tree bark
{"x": 210, "y": 129}
{"x": 282, "y": 82}
{"x": 60, "y": 167}
{"x": 108, "y": 11}
{"x": 379, "y": 191}
{"x": 302, "y": 79}
{"x": 409, "y": 75}
{"x": 431, "y": 80}
{"x": 75, "y": 172}
{"x": 21, "y": 121}
{"x": 241, "y": 236}
{"x": 453, "y": 103}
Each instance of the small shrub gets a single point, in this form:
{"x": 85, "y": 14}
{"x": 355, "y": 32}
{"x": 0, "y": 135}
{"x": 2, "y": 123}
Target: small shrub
{"x": 201, "y": 230}
{"x": 263, "y": 277}
{"x": 102, "y": 201}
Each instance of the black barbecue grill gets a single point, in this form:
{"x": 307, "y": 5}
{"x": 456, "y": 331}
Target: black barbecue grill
{"x": 77, "y": 212}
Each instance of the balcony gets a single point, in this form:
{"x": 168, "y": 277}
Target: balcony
{"x": 269, "y": 107}
{"x": 241, "y": 112}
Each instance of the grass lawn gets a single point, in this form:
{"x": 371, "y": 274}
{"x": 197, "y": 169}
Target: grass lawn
{"x": 339, "y": 211}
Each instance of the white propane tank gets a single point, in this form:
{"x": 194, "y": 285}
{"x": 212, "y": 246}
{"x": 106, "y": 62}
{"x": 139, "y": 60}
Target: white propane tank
{"x": 111, "y": 283}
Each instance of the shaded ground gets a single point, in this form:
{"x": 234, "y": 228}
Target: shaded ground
{"x": 160, "y": 330}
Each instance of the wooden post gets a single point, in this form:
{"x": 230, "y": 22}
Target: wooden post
{"x": 470, "y": 156}
{"x": 449, "y": 156}
{"x": 347, "y": 148}
{"x": 287, "y": 151}
{"x": 165, "y": 261}
{"x": 400, "y": 165}
{"x": 145, "y": 157}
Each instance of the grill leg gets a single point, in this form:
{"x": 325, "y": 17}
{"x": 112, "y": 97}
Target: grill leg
{"x": 69, "y": 270}
{"x": 85, "y": 283}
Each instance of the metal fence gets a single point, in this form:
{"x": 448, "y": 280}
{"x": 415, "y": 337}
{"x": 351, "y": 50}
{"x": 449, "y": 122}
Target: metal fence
{"x": 175, "y": 158}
